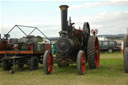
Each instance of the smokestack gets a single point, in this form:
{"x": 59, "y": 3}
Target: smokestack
{"x": 64, "y": 23}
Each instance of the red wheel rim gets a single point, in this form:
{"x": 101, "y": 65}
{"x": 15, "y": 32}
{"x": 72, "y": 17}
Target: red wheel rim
{"x": 83, "y": 63}
{"x": 50, "y": 62}
{"x": 97, "y": 52}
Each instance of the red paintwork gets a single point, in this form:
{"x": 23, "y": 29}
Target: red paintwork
{"x": 47, "y": 46}
{"x": 50, "y": 62}
{"x": 31, "y": 47}
{"x": 94, "y": 31}
{"x": 3, "y": 46}
{"x": 77, "y": 32}
{"x": 83, "y": 66}
{"x": 97, "y": 57}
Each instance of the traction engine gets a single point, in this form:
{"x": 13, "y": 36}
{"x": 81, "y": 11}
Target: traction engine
{"x": 73, "y": 46}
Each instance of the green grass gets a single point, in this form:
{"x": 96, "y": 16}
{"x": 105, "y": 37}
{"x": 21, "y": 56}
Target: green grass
{"x": 110, "y": 72}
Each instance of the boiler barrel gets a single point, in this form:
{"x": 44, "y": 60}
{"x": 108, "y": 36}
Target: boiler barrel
{"x": 64, "y": 22}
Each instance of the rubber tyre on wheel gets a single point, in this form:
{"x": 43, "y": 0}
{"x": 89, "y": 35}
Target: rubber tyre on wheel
{"x": 81, "y": 62}
{"x": 93, "y": 52}
{"x": 126, "y": 60}
{"x": 6, "y": 65}
{"x": 34, "y": 63}
{"x": 48, "y": 62}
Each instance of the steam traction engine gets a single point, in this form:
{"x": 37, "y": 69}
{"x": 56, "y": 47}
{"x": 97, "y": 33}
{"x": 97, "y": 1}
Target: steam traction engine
{"x": 126, "y": 54}
{"x": 74, "y": 45}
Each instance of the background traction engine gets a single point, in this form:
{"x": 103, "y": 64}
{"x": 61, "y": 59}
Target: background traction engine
{"x": 126, "y": 54}
{"x": 73, "y": 45}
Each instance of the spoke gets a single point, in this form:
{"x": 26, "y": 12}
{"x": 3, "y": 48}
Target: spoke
{"x": 83, "y": 63}
{"x": 50, "y": 64}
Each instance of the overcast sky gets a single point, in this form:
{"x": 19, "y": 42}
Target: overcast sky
{"x": 108, "y": 16}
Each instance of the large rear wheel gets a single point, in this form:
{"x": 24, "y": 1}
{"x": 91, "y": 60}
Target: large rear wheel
{"x": 48, "y": 62}
{"x": 81, "y": 62}
{"x": 93, "y": 52}
{"x": 126, "y": 60}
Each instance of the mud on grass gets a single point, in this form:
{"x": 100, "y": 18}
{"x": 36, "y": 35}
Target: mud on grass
{"x": 110, "y": 72}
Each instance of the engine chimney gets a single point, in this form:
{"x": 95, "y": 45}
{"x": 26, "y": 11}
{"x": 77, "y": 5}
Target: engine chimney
{"x": 64, "y": 23}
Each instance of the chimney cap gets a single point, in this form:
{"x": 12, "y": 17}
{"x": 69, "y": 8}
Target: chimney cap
{"x": 63, "y": 7}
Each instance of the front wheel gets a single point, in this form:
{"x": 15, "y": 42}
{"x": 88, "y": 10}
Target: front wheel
{"x": 48, "y": 62}
{"x": 81, "y": 62}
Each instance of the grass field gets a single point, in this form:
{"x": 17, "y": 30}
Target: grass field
{"x": 110, "y": 72}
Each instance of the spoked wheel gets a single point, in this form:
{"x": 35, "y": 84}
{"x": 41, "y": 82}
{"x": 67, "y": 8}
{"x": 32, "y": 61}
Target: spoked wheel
{"x": 34, "y": 63}
{"x": 126, "y": 60}
{"x": 81, "y": 62}
{"x": 21, "y": 63}
{"x": 6, "y": 64}
{"x": 93, "y": 52}
{"x": 48, "y": 62}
